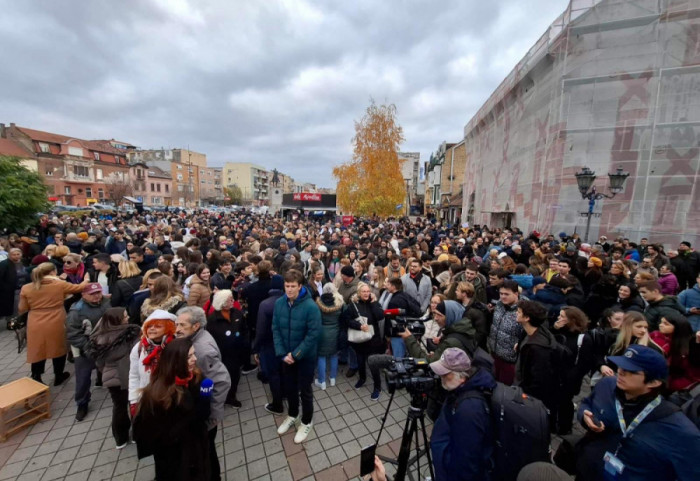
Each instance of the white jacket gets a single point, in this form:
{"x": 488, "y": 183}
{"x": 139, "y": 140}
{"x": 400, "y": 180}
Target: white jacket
{"x": 138, "y": 376}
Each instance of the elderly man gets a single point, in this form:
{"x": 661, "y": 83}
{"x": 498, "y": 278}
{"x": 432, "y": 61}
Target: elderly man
{"x": 13, "y": 275}
{"x": 192, "y": 322}
{"x": 82, "y": 317}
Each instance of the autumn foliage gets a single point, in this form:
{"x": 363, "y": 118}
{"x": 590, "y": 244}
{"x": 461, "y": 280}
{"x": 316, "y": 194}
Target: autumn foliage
{"x": 372, "y": 182}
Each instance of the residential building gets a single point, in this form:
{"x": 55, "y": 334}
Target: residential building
{"x": 452, "y": 182}
{"x": 151, "y": 184}
{"x": 609, "y": 85}
{"x": 252, "y": 179}
{"x": 433, "y": 185}
{"x": 210, "y": 187}
{"x": 76, "y": 171}
{"x": 410, "y": 171}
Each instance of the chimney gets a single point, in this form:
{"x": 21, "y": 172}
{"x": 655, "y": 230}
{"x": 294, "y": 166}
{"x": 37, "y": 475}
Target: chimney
{"x": 3, "y": 134}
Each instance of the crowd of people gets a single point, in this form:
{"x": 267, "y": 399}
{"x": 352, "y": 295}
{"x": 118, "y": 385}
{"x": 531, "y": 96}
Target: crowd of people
{"x": 170, "y": 310}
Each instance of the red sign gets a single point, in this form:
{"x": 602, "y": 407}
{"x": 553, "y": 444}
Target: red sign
{"x": 347, "y": 220}
{"x": 53, "y": 199}
{"x": 307, "y": 196}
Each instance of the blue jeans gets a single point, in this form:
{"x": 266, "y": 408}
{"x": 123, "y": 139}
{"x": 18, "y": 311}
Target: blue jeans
{"x": 345, "y": 352}
{"x": 270, "y": 366}
{"x": 83, "y": 378}
{"x": 322, "y": 367}
{"x": 398, "y": 348}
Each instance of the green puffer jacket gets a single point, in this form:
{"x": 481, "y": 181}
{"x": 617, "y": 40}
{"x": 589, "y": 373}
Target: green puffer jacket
{"x": 296, "y": 328}
{"x": 331, "y": 305}
{"x": 463, "y": 326}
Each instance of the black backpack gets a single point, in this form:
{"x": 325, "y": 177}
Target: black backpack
{"x": 480, "y": 358}
{"x": 520, "y": 429}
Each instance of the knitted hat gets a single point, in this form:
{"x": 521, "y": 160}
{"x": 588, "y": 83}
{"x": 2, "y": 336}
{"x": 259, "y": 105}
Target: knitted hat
{"x": 596, "y": 261}
{"x": 160, "y": 315}
{"x": 36, "y": 260}
{"x": 347, "y": 271}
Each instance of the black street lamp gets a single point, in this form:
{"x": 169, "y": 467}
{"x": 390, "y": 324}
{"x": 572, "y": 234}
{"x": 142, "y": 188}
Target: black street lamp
{"x": 585, "y": 180}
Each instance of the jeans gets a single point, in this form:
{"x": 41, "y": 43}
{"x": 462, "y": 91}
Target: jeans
{"x": 297, "y": 379}
{"x": 362, "y": 368}
{"x": 59, "y": 364}
{"x": 120, "y": 414}
{"x": 83, "y": 378}
{"x": 398, "y": 348}
{"x": 270, "y": 366}
{"x": 322, "y": 367}
{"x": 346, "y": 352}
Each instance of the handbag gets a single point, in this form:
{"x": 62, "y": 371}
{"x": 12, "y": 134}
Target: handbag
{"x": 18, "y": 321}
{"x": 357, "y": 336}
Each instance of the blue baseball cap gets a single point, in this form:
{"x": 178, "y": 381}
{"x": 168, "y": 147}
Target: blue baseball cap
{"x": 642, "y": 359}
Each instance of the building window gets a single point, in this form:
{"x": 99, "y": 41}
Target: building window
{"x": 179, "y": 167}
{"x": 49, "y": 172}
{"x": 66, "y": 190}
{"x": 180, "y": 188}
{"x": 75, "y": 151}
{"x": 158, "y": 187}
{"x": 179, "y": 177}
{"x": 98, "y": 174}
{"x": 167, "y": 188}
{"x": 44, "y": 147}
{"x": 153, "y": 188}
{"x": 81, "y": 171}
{"x": 100, "y": 194}
{"x": 182, "y": 200}
{"x": 88, "y": 191}
{"x": 97, "y": 155}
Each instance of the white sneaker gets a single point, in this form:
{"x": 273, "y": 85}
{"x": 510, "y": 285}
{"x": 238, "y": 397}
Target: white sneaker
{"x": 287, "y": 424}
{"x": 332, "y": 381}
{"x": 302, "y": 432}
{"x": 122, "y": 446}
{"x": 320, "y": 385}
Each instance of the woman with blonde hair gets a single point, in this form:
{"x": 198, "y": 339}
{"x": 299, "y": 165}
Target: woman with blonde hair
{"x": 166, "y": 295}
{"x": 46, "y": 330}
{"x": 129, "y": 281}
{"x": 634, "y": 330}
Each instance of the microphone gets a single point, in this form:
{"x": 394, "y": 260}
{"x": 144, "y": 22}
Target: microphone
{"x": 394, "y": 312}
{"x": 206, "y": 388}
{"x": 380, "y": 361}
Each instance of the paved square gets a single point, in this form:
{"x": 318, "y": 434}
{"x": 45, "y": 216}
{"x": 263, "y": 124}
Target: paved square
{"x": 249, "y": 447}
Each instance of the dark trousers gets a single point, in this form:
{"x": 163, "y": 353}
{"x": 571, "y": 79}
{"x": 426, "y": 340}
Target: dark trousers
{"x": 120, "y": 415}
{"x": 270, "y": 365}
{"x": 362, "y": 356}
{"x": 297, "y": 379}
{"x": 213, "y": 457}
{"x": 59, "y": 364}
{"x": 505, "y": 371}
{"x": 83, "y": 378}
{"x": 564, "y": 414}
{"x": 234, "y": 362}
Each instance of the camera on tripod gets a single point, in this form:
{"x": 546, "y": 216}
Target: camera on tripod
{"x": 398, "y": 323}
{"x": 408, "y": 373}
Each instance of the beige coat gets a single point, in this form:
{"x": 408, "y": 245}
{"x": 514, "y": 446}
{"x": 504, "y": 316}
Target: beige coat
{"x": 200, "y": 292}
{"x": 46, "y": 323}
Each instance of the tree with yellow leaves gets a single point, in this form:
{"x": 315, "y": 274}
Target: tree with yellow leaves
{"x": 371, "y": 183}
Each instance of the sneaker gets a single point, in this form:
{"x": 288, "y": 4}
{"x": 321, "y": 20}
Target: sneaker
{"x": 320, "y": 385}
{"x": 375, "y": 395}
{"x": 332, "y": 381}
{"x": 288, "y": 423}
{"x": 350, "y": 372}
{"x": 81, "y": 413}
{"x": 61, "y": 378}
{"x": 272, "y": 410}
{"x": 121, "y": 446}
{"x": 302, "y": 432}
{"x": 359, "y": 384}
{"x": 249, "y": 369}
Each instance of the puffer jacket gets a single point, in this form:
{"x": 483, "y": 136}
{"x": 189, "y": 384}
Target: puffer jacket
{"x": 200, "y": 292}
{"x": 331, "y": 306}
{"x": 111, "y": 350}
{"x": 505, "y": 332}
{"x": 296, "y": 328}
{"x": 656, "y": 310}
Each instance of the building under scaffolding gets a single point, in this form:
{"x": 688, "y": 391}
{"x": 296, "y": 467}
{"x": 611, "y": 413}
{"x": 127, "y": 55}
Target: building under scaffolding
{"x": 611, "y": 84}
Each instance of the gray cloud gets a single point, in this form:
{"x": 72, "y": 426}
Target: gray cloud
{"x": 277, "y": 83}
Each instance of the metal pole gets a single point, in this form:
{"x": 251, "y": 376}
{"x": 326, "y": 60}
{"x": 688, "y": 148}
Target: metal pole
{"x": 591, "y": 204}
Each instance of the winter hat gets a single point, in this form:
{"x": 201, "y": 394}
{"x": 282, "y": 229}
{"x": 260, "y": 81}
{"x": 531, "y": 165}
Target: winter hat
{"x": 347, "y": 271}
{"x": 596, "y": 261}
{"x": 322, "y": 249}
{"x": 36, "y": 260}
{"x": 152, "y": 247}
{"x": 160, "y": 315}
{"x": 453, "y": 359}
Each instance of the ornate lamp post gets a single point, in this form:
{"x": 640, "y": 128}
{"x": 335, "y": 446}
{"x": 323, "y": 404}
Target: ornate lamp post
{"x": 585, "y": 180}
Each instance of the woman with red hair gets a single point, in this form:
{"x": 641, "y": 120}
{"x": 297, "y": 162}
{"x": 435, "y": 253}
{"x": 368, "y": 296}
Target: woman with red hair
{"x": 157, "y": 331}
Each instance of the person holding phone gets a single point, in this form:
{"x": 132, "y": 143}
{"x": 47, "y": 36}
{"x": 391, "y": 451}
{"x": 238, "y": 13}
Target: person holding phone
{"x": 632, "y": 432}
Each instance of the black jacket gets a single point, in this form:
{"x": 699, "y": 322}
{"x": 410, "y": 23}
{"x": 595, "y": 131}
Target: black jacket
{"x": 124, "y": 289}
{"x": 8, "y": 285}
{"x": 534, "y": 370}
{"x": 263, "y": 329}
{"x": 230, "y": 336}
{"x": 112, "y": 276}
{"x": 401, "y": 300}
{"x": 374, "y": 313}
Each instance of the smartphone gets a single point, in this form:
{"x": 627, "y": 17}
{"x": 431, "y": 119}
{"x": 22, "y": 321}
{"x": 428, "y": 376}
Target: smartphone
{"x": 367, "y": 459}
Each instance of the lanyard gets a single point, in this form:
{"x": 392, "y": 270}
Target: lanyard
{"x": 626, "y": 431}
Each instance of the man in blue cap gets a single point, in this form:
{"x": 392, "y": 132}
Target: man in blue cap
{"x": 632, "y": 432}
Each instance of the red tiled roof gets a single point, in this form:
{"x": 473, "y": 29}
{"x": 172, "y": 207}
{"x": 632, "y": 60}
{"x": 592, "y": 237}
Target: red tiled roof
{"x": 9, "y": 147}
{"x": 101, "y": 146}
{"x": 42, "y": 136}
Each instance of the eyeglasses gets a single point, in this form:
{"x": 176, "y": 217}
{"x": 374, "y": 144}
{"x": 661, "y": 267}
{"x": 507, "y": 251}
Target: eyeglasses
{"x": 68, "y": 262}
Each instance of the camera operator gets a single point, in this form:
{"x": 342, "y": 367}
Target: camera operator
{"x": 456, "y": 332}
{"x": 462, "y": 438}
{"x": 395, "y": 298}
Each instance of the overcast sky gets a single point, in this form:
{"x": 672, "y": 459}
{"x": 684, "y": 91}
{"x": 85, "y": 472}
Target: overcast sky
{"x": 278, "y": 83}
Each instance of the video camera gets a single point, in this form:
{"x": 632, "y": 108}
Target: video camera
{"x": 412, "y": 374}
{"x": 398, "y": 322}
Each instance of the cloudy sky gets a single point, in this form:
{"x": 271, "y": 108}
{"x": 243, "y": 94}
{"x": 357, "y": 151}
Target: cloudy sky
{"x": 275, "y": 82}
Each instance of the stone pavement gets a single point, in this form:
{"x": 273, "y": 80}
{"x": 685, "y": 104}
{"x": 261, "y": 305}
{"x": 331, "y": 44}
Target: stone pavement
{"x": 249, "y": 447}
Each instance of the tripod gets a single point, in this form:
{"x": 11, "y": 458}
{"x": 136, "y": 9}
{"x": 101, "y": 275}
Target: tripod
{"x": 416, "y": 414}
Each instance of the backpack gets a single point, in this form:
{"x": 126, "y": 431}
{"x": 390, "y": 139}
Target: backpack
{"x": 689, "y": 402}
{"x": 480, "y": 358}
{"x": 520, "y": 429}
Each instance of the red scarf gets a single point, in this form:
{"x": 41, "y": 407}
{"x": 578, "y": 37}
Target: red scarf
{"x": 183, "y": 382}
{"x": 153, "y": 352}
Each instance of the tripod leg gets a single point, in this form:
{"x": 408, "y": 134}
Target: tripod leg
{"x": 418, "y": 453}
{"x": 427, "y": 447}
{"x": 405, "y": 451}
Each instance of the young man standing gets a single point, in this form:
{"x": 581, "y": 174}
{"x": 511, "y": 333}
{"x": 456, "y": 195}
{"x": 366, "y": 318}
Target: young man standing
{"x": 416, "y": 285}
{"x": 658, "y": 304}
{"x": 633, "y": 433}
{"x": 296, "y": 327}
{"x": 505, "y": 332}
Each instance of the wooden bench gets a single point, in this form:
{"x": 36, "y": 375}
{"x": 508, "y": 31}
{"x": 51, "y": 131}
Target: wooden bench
{"x": 22, "y": 403}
